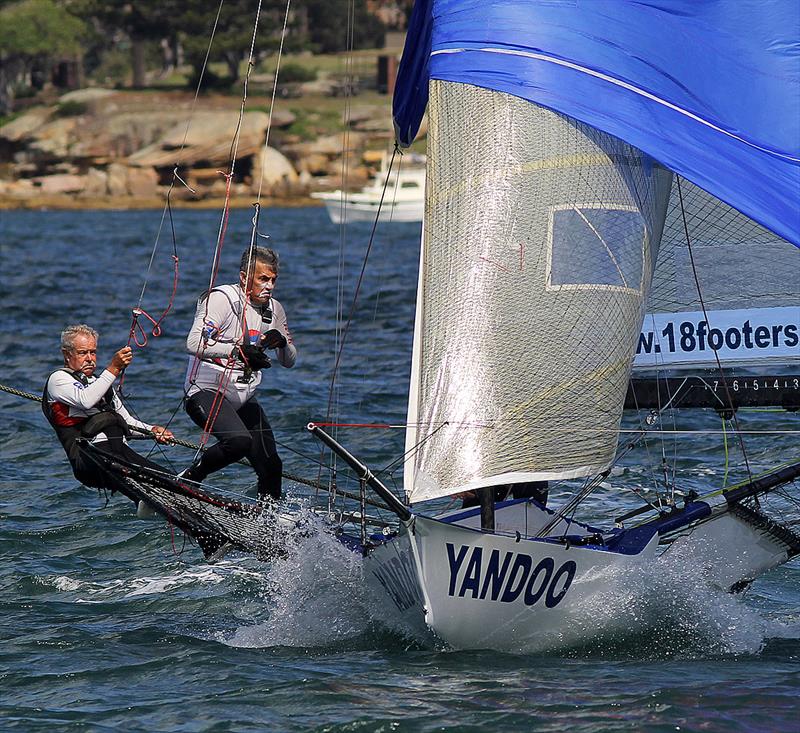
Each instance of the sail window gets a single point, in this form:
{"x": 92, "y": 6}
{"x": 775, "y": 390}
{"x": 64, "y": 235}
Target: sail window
{"x": 596, "y": 247}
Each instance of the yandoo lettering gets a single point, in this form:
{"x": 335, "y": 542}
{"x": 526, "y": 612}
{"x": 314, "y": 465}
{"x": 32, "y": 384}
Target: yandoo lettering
{"x": 507, "y": 576}
{"x": 398, "y": 582}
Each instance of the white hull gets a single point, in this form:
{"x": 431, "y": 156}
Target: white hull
{"x": 402, "y": 192}
{"x": 502, "y": 591}
{"x": 359, "y": 210}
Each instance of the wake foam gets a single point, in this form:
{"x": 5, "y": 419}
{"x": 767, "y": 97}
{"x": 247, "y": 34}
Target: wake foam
{"x": 667, "y": 610}
{"x": 149, "y": 585}
{"x": 313, "y": 593}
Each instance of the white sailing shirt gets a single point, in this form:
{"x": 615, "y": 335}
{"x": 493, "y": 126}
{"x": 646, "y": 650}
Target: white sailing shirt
{"x": 218, "y": 328}
{"x": 72, "y": 402}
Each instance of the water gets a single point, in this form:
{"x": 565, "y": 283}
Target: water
{"x": 107, "y": 626}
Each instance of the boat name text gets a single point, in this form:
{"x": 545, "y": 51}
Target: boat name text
{"x": 505, "y": 576}
{"x": 399, "y": 582}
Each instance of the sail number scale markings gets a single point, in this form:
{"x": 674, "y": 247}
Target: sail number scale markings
{"x": 540, "y": 227}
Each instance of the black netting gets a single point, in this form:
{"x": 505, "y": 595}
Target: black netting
{"x": 209, "y": 518}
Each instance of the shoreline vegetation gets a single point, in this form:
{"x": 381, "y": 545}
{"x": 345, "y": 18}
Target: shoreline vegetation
{"x": 119, "y": 148}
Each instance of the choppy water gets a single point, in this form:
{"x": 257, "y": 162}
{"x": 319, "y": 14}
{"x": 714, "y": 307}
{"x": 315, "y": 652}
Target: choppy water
{"x": 106, "y": 626}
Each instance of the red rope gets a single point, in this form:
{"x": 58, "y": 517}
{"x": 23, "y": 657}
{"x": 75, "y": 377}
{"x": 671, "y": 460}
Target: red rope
{"x": 355, "y": 425}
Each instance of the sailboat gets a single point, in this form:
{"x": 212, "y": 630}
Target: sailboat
{"x": 559, "y": 136}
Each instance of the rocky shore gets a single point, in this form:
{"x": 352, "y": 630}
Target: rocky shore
{"x": 100, "y": 148}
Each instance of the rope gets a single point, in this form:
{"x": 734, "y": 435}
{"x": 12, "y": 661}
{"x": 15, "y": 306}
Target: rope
{"x": 167, "y": 211}
{"x": 725, "y": 443}
{"x": 175, "y": 441}
{"x": 272, "y": 100}
{"x": 221, "y": 232}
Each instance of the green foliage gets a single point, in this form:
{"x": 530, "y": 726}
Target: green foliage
{"x": 310, "y": 124}
{"x": 292, "y": 72}
{"x": 328, "y": 25}
{"x": 71, "y": 109}
{"x": 111, "y": 67}
{"x": 233, "y": 34}
{"x": 39, "y": 28}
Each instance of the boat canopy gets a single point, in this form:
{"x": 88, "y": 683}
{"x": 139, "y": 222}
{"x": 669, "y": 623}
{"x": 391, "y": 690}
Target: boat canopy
{"x": 709, "y": 89}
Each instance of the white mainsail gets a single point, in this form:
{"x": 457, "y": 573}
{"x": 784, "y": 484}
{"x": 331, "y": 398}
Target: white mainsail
{"x": 538, "y": 249}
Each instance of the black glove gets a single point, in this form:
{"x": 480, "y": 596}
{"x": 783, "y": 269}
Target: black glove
{"x": 254, "y": 357}
{"x": 273, "y": 339}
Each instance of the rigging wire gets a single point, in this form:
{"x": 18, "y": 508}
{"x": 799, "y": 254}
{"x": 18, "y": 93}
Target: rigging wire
{"x": 354, "y": 301}
{"x": 725, "y": 443}
{"x": 167, "y": 211}
{"x": 705, "y": 316}
{"x": 272, "y": 99}
{"x": 333, "y": 406}
{"x": 176, "y": 441}
{"x": 221, "y": 232}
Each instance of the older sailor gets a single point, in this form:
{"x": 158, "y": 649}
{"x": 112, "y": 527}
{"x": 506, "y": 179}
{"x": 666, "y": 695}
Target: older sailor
{"x": 81, "y": 405}
{"x": 233, "y": 328}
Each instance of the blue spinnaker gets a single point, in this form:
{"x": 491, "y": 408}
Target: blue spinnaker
{"x": 711, "y": 88}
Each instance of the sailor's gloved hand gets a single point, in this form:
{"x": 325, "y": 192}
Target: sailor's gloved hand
{"x": 273, "y": 339}
{"x": 254, "y": 357}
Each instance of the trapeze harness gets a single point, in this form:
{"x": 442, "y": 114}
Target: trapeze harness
{"x": 69, "y": 428}
{"x": 216, "y": 330}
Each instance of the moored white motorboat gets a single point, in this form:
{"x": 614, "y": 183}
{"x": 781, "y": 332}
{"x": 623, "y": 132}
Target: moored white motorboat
{"x": 403, "y": 200}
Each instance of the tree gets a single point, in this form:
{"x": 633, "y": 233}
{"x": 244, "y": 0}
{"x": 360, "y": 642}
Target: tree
{"x": 234, "y": 32}
{"x": 140, "y": 21}
{"x": 328, "y": 21}
{"x": 33, "y": 34}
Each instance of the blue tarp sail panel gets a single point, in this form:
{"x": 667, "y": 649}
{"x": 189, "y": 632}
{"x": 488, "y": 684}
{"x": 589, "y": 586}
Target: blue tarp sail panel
{"x": 709, "y": 88}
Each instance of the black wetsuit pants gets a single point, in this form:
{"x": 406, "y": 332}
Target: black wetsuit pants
{"x": 242, "y": 433}
{"x": 90, "y": 472}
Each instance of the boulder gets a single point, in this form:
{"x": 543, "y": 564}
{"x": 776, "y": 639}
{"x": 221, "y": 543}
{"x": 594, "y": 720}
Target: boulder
{"x": 55, "y": 138}
{"x": 21, "y": 189}
{"x": 142, "y": 182}
{"x": 122, "y": 133}
{"x": 208, "y": 141}
{"x": 61, "y": 184}
{"x": 374, "y": 125}
{"x": 22, "y": 127}
{"x": 117, "y": 179}
{"x": 83, "y": 96}
{"x": 332, "y": 144}
{"x": 208, "y": 128}
{"x": 314, "y": 164}
{"x": 277, "y": 170}
{"x": 96, "y": 183}
{"x": 363, "y": 112}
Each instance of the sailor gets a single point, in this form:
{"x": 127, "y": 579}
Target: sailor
{"x": 234, "y": 326}
{"x": 80, "y": 405}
